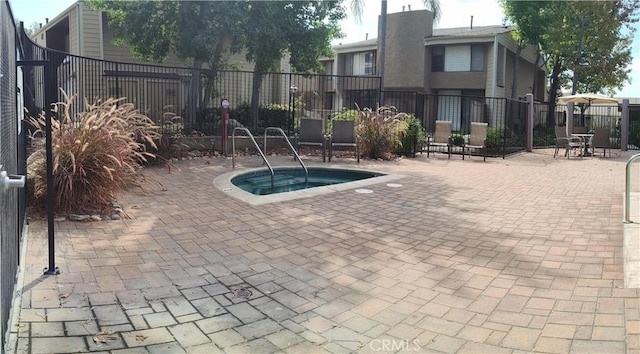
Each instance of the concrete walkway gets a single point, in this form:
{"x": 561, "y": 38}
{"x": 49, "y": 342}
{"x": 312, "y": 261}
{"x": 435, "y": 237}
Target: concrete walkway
{"x": 516, "y": 255}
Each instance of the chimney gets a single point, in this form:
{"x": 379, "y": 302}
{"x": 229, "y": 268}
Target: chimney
{"x": 366, "y": 36}
{"x": 471, "y": 26}
{"x": 409, "y": 7}
{"x": 402, "y": 8}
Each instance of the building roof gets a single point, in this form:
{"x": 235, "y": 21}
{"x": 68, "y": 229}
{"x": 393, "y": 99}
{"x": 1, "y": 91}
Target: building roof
{"x": 366, "y": 43}
{"x": 480, "y": 31}
{"x": 439, "y": 34}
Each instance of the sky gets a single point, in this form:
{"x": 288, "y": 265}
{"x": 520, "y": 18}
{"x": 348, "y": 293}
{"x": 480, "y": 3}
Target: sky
{"x": 455, "y": 13}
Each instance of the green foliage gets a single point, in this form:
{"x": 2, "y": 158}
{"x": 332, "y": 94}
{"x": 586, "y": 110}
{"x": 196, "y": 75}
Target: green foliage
{"x": 206, "y": 119}
{"x": 590, "y": 38}
{"x": 634, "y": 135}
{"x": 379, "y": 132}
{"x": 495, "y": 137}
{"x": 304, "y": 29}
{"x": 457, "y": 139}
{"x": 96, "y": 156}
{"x": 271, "y": 115}
{"x": 345, "y": 114}
{"x": 411, "y": 135}
{"x": 274, "y": 115}
{"x": 543, "y": 135}
{"x": 190, "y": 29}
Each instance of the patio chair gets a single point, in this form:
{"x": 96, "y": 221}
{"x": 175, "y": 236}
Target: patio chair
{"x": 566, "y": 142}
{"x": 477, "y": 139}
{"x": 311, "y": 133}
{"x": 601, "y": 139}
{"x": 441, "y": 137}
{"x": 343, "y": 134}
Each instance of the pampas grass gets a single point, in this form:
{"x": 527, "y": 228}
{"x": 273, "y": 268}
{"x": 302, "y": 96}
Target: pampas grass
{"x": 96, "y": 155}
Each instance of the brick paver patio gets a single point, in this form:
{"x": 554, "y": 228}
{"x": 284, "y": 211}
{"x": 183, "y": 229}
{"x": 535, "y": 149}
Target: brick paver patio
{"x": 517, "y": 255}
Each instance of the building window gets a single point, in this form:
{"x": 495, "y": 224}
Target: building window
{"x": 363, "y": 63}
{"x": 369, "y": 63}
{"x": 437, "y": 59}
{"x": 348, "y": 64}
{"x": 457, "y": 58}
{"x": 477, "y": 57}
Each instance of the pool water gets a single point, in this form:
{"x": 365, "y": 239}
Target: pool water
{"x": 292, "y": 179}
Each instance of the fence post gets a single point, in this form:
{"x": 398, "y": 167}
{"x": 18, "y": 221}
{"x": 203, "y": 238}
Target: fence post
{"x": 49, "y": 99}
{"x": 569, "y": 122}
{"x": 529, "y": 125}
{"x": 624, "y": 122}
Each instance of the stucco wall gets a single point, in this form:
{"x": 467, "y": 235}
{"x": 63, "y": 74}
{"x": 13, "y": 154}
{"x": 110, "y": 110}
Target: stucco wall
{"x": 405, "y": 54}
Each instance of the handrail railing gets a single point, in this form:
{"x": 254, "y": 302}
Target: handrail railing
{"x": 627, "y": 188}
{"x": 295, "y": 153}
{"x": 233, "y": 150}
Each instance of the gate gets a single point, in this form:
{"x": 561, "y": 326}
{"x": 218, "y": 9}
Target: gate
{"x": 12, "y": 159}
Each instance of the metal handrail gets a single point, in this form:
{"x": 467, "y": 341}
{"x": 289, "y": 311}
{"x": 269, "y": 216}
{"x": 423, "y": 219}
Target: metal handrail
{"x": 233, "y": 150}
{"x": 295, "y": 153}
{"x": 627, "y": 189}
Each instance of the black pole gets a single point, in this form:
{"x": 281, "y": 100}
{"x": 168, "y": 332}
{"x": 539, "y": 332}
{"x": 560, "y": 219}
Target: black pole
{"x": 49, "y": 94}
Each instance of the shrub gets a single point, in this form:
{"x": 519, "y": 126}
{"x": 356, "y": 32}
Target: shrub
{"x": 495, "y": 137}
{"x": 207, "y": 120}
{"x": 543, "y": 135}
{"x": 410, "y": 133}
{"x": 457, "y": 139}
{"x": 274, "y": 115}
{"x": 378, "y": 131}
{"x": 345, "y": 114}
{"x": 94, "y": 156}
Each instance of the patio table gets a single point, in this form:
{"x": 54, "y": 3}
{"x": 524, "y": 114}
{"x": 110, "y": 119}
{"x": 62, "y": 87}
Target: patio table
{"x": 584, "y": 138}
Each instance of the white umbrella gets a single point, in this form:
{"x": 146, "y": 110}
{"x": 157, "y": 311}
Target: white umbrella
{"x": 589, "y": 99}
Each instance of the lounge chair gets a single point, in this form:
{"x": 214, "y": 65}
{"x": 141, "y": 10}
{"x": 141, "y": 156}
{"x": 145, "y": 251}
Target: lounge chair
{"x": 601, "y": 139}
{"x": 566, "y": 142}
{"x": 441, "y": 137}
{"x": 343, "y": 134}
{"x": 477, "y": 139}
{"x": 311, "y": 133}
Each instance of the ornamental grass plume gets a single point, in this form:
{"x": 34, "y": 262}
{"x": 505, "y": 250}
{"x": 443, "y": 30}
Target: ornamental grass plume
{"x": 96, "y": 153}
{"x": 379, "y": 132}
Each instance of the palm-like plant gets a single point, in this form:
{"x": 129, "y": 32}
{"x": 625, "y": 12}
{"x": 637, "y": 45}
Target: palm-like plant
{"x": 356, "y": 8}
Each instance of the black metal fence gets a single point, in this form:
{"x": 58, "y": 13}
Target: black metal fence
{"x": 506, "y": 119}
{"x": 12, "y": 159}
{"x": 186, "y": 100}
{"x": 588, "y": 117}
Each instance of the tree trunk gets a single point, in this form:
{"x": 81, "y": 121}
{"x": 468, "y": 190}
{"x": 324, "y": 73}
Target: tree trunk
{"x": 516, "y": 70}
{"x": 382, "y": 39}
{"x": 555, "y": 75}
{"x": 534, "y": 85}
{"x": 255, "y": 96}
{"x": 213, "y": 72}
{"x": 193, "y": 96}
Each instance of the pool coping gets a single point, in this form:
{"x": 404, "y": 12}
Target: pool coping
{"x": 223, "y": 183}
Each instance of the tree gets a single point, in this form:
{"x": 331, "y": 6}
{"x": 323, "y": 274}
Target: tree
{"x": 302, "y": 29}
{"x": 202, "y": 30}
{"x": 356, "y": 8}
{"x": 28, "y": 30}
{"x": 199, "y": 31}
{"x": 589, "y": 39}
